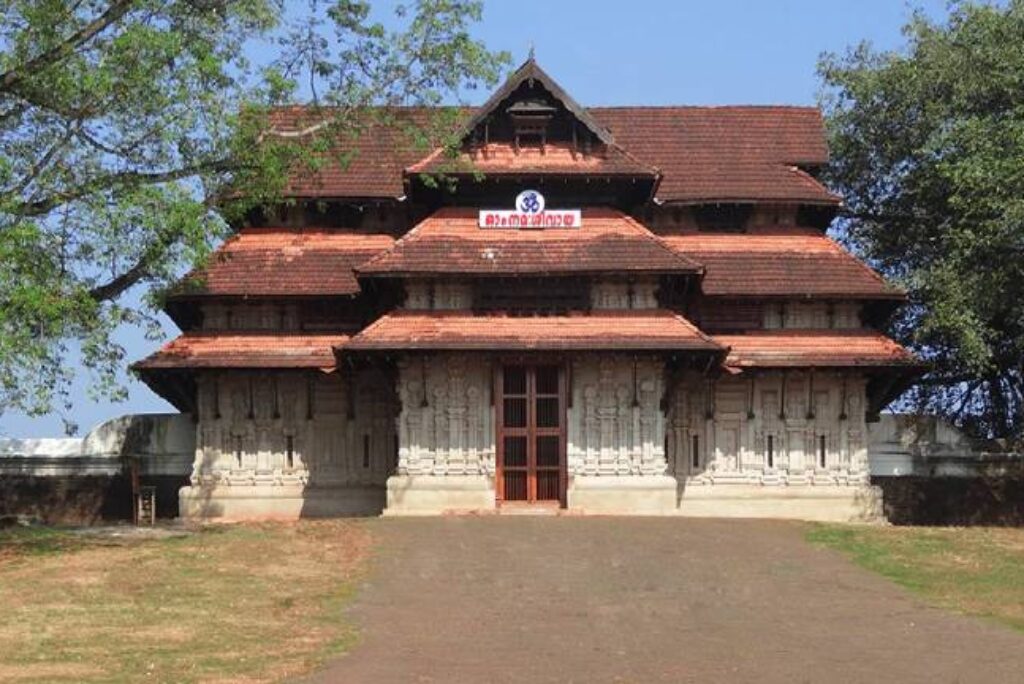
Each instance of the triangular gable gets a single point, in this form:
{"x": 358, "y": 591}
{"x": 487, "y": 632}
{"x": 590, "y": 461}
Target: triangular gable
{"x": 530, "y": 72}
{"x": 531, "y": 126}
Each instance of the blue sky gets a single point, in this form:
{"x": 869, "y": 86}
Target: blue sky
{"x": 642, "y": 52}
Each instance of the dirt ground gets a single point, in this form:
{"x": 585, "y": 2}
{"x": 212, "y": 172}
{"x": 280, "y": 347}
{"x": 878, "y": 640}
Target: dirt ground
{"x": 564, "y": 599}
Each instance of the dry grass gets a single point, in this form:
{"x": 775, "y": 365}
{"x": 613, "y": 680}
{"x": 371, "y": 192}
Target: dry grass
{"x": 975, "y": 570}
{"x": 244, "y": 603}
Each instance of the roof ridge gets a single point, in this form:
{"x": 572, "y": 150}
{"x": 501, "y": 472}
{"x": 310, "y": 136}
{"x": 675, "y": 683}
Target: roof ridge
{"x": 646, "y": 232}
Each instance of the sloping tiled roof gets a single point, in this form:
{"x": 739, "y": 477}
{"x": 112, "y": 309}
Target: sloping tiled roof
{"x": 821, "y": 348}
{"x": 246, "y": 350}
{"x": 794, "y": 263}
{"x": 450, "y": 242}
{"x": 652, "y": 330}
{"x": 370, "y": 164}
{"x": 726, "y": 153}
{"x": 704, "y": 154}
{"x": 285, "y": 262}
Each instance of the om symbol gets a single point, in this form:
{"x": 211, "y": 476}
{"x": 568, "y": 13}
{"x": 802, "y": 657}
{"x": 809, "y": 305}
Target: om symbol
{"x": 530, "y": 202}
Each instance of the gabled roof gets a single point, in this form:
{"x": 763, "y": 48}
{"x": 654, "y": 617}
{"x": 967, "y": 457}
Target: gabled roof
{"x": 479, "y": 154}
{"x": 284, "y": 262}
{"x": 531, "y": 71}
{"x": 635, "y": 330}
{"x": 450, "y": 242}
{"x": 703, "y": 154}
{"x": 219, "y": 349}
{"x": 796, "y": 262}
{"x": 816, "y": 348}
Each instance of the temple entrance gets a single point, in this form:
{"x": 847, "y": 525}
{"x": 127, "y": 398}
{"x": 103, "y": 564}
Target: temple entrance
{"x": 531, "y": 434}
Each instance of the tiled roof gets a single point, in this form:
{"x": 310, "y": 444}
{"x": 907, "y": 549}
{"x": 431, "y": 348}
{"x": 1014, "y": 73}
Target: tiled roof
{"x": 725, "y": 153}
{"x": 821, "y": 348}
{"x": 794, "y": 263}
{"x": 704, "y": 154}
{"x": 652, "y": 330}
{"x": 499, "y": 158}
{"x": 285, "y": 262}
{"x": 210, "y": 349}
{"x": 368, "y": 165}
{"x": 451, "y": 242}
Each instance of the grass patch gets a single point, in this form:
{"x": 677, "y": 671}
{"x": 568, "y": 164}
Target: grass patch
{"x": 975, "y": 570}
{"x": 19, "y": 541}
{"x": 243, "y": 603}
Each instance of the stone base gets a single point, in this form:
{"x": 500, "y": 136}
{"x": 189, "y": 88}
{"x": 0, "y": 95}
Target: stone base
{"x": 623, "y": 495}
{"x": 288, "y": 502}
{"x": 827, "y": 503}
{"x": 436, "y": 494}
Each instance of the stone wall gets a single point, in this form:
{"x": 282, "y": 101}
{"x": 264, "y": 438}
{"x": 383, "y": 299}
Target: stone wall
{"x": 771, "y": 435}
{"x": 615, "y": 423}
{"x": 86, "y": 480}
{"x": 769, "y": 429}
{"x": 771, "y": 444}
{"x": 291, "y": 443}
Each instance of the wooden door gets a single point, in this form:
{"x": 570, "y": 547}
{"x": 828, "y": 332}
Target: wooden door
{"x": 531, "y": 434}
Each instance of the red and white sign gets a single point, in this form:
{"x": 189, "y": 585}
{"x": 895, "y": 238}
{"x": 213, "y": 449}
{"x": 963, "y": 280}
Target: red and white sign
{"x": 530, "y": 212}
{"x": 550, "y": 218}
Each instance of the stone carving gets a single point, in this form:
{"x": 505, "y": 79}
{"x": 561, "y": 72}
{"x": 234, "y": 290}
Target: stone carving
{"x": 452, "y": 431}
{"x": 248, "y": 443}
{"x": 738, "y": 442}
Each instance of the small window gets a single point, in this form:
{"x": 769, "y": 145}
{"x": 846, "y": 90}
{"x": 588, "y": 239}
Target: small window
{"x": 695, "y": 452}
{"x": 366, "y": 451}
{"x": 822, "y": 451}
{"x": 238, "y": 451}
{"x": 770, "y": 456}
{"x": 290, "y": 451}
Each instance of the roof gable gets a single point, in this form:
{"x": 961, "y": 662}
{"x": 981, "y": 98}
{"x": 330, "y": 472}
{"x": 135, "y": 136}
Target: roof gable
{"x": 530, "y": 75}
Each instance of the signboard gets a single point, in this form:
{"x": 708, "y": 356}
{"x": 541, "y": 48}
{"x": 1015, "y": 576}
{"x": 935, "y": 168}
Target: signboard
{"x": 530, "y": 212}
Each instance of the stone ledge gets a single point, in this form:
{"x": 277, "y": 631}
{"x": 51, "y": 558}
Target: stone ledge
{"x": 623, "y": 494}
{"x": 820, "y": 503}
{"x": 289, "y": 502}
{"x": 436, "y": 495}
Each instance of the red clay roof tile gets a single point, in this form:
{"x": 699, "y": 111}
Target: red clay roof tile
{"x": 820, "y": 348}
{"x": 704, "y": 154}
{"x": 726, "y": 153}
{"x": 285, "y": 262}
{"x": 651, "y": 330}
{"x": 210, "y": 349}
{"x": 794, "y": 263}
{"x": 451, "y": 242}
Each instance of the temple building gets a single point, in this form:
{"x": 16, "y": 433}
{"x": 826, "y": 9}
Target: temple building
{"x": 630, "y": 310}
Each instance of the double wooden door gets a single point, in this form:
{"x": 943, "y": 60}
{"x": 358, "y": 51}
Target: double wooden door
{"x": 531, "y": 440}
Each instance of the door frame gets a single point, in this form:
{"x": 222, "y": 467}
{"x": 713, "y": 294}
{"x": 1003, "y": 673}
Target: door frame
{"x": 531, "y": 429}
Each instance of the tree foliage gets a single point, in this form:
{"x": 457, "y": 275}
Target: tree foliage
{"x": 133, "y": 131}
{"x": 928, "y": 151}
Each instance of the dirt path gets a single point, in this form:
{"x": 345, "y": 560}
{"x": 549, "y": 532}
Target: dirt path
{"x": 503, "y": 599}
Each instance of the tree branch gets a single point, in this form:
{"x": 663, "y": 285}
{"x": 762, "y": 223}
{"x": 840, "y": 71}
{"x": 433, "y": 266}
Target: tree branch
{"x": 120, "y": 179}
{"x": 11, "y": 78}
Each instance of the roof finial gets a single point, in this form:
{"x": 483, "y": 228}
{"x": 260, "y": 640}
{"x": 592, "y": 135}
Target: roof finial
{"x": 531, "y": 51}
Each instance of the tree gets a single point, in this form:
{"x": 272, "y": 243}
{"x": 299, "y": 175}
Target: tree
{"x": 928, "y": 151}
{"x": 132, "y": 132}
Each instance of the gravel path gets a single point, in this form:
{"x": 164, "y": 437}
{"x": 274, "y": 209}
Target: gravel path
{"x": 585, "y": 599}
